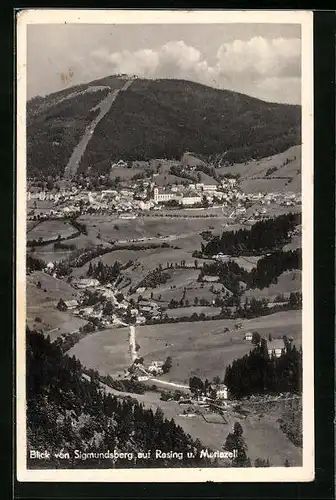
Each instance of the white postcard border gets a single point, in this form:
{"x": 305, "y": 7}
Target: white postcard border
{"x": 272, "y": 474}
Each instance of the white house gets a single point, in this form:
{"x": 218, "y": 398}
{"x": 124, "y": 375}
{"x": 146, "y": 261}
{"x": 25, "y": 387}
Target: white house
{"x": 142, "y": 378}
{"x": 145, "y": 205}
{"x": 157, "y": 364}
{"x": 50, "y": 266}
{"x": 221, "y": 392}
{"x": 276, "y": 347}
{"x": 248, "y": 336}
{"x": 154, "y": 369}
{"x": 209, "y": 187}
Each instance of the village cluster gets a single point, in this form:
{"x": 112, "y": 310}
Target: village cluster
{"x": 125, "y": 312}
{"x": 146, "y": 194}
{"x": 122, "y": 309}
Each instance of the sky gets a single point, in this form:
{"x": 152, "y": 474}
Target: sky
{"x": 261, "y": 60}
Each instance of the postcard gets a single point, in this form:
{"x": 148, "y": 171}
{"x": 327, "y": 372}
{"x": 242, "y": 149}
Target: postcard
{"x": 164, "y": 272}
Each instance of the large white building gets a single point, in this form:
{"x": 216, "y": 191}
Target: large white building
{"x": 164, "y": 196}
{"x": 191, "y": 200}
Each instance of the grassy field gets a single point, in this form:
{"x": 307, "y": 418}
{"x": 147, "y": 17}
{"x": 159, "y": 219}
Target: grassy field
{"x": 203, "y": 349}
{"x": 51, "y": 228}
{"x": 125, "y": 174}
{"x": 112, "y": 228}
{"x": 40, "y": 204}
{"x": 199, "y": 348}
{"x": 253, "y": 173}
{"x": 296, "y": 242}
{"x": 193, "y": 290}
{"x": 289, "y": 281}
{"x": 49, "y": 254}
{"x": 162, "y": 256}
{"x": 110, "y": 258}
{"x": 106, "y": 351}
{"x": 31, "y": 224}
{"x": 247, "y": 263}
{"x": 261, "y": 185}
{"x": 188, "y": 311}
{"x": 262, "y": 434}
{"x": 42, "y": 301}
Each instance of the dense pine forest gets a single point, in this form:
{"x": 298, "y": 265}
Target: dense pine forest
{"x": 259, "y": 373}
{"x": 34, "y": 264}
{"x": 264, "y": 236}
{"x": 103, "y": 272}
{"x": 67, "y": 412}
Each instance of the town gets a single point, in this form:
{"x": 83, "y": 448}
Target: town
{"x": 141, "y": 196}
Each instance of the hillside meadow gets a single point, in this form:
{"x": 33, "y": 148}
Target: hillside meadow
{"x": 262, "y": 432}
{"x": 51, "y": 229}
{"x": 43, "y": 294}
{"x": 117, "y": 229}
{"x": 199, "y": 348}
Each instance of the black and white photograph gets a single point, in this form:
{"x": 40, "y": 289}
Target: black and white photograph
{"x": 164, "y": 246}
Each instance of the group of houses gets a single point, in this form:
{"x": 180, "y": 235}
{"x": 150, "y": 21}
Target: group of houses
{"x": 275, "y": 347}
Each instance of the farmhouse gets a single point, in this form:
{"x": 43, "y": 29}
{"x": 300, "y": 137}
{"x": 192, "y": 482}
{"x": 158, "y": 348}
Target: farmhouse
{"x": 156, "y": 364}
{"x": 86, "y": 311}
{"x": 140, "y": 320}
{"x": 86, "y": 283}
{"x": 155, "y": 370}
{"x": 210, "y": 279}
{"x": 148, "y": 306}
{"x": 276, "y": 347}
{"x": 248, "y": 336}
{"x": 138, "y": 374}
{"x": 71, "y": 304}
{"x": 67, "y": 305}
{"x": 221, "y": 392}
{"x": 50, "y": 267}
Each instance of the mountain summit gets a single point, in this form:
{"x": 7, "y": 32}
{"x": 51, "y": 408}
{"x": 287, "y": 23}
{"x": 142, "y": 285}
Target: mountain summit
{"x": 87, "y": 127}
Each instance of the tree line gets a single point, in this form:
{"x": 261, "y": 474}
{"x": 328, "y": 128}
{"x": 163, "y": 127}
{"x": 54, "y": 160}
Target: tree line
{"x": 264, "y": 236}
{"x": 33, "y": 263}
{"x": 251, "y": 309}
{"x": 103, "y": 272}
{"x": 65, "y": 411}
{"x": 266, "y": 272}
{"x": 261, "y": 373}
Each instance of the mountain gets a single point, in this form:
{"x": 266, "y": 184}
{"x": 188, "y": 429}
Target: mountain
{"x": 138, "y": 119}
